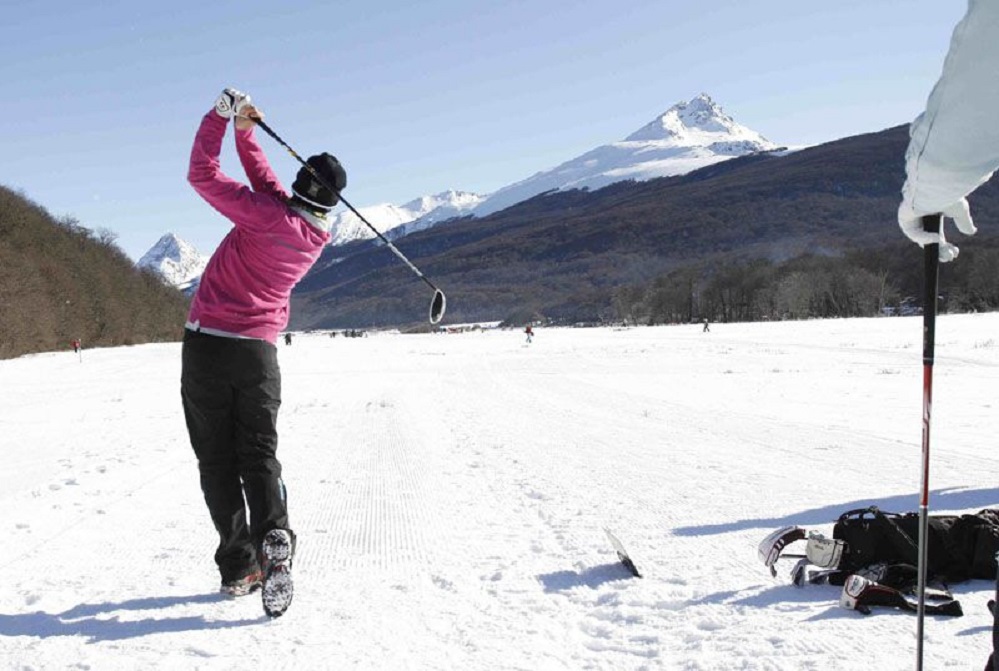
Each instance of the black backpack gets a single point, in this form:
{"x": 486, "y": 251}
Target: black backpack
{"x": 959, "y": 547}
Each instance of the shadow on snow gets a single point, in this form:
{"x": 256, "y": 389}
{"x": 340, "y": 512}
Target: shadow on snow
{"x": 940, "y": 500}
{"x": 593, "y": 577}
{"x": 801, "y": 601}
{"x": 85, "y": 620}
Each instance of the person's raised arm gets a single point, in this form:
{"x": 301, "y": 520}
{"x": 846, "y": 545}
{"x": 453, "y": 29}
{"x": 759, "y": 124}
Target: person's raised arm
{"x": 251, "y": 154}
{"x": 234, "y": 200}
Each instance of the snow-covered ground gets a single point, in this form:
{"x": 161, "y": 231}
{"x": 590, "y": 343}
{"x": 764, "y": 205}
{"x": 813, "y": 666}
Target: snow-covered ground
{"x": 450, "y": 493}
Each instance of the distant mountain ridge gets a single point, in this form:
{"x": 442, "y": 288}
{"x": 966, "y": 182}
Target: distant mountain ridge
{"x": 399, "y": 220}
{"x": 688, "y": 136}
{"x": 436, "y": 209}
{"x": 180, "y": 264}
{"x": 564, "y": 255}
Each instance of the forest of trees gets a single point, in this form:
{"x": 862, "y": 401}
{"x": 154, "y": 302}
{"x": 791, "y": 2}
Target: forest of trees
{"x": 60, "y": 281}
{"x": 887, "y": 280}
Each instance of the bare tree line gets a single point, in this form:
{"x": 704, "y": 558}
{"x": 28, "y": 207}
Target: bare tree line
{"x": 60, "y": 281}
{"x": 859, "y": 284}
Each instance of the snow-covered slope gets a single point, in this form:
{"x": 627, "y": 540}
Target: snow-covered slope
{"x": 177, "y": 261}
{"x": 400, "y": 220}
{"x": 687, "y": 136}
{"x": 450, "y": 492}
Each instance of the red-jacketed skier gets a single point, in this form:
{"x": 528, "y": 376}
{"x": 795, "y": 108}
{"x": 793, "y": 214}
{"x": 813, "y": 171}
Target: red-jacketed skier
{"x": 230, "y": 380}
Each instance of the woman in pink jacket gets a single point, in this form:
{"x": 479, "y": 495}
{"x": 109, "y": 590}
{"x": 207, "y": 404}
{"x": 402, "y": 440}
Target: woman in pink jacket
{"x": 230, "y": 380}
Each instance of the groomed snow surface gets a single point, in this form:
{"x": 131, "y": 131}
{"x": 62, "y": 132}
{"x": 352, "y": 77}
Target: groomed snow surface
{"x": 450, "y": 493}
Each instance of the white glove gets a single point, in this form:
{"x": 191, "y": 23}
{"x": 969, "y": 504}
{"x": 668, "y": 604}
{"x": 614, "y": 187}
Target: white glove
{"x": 231, "y": 102}
{"x": 912, "y": 225}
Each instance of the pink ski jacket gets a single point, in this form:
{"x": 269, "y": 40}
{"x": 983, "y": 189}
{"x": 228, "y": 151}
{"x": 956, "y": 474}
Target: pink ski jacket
{"x": 246, "y": 287}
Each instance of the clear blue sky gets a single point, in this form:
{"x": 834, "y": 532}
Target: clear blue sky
{"x": 100, "y": 100}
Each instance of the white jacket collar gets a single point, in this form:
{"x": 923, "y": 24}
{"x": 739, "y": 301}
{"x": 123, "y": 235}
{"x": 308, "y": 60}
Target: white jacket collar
{"x": 319, "y": 222}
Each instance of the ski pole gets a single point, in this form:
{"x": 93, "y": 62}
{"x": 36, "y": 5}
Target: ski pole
{"x": 439, "y": 302}
{"x": 931, "y": 224}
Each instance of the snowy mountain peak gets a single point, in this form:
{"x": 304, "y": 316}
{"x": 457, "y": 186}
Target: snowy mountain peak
{"x": 167, "y": 246}
{"x": 697, "y": 123}
{"x": 687, "y": 136}
{"x": 176, "y": 260}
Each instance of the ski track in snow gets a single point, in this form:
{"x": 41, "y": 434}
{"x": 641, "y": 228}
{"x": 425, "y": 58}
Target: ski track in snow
{"x": 451, "y": 493}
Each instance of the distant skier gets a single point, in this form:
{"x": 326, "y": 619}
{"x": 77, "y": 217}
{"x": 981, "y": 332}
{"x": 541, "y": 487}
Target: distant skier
{"x": 707, "y": 326}
{"x": 530, "y": 334}
{"x": 287, "y": 338}
{"x": 230, "y": 379}
{"x": 77, "y": 345}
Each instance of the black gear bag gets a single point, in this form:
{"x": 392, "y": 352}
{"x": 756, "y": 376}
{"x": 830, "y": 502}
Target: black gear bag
{"x": 959, "y": 547}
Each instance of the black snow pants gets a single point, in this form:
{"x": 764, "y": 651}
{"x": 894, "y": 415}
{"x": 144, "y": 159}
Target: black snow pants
{"x": 231, "y": 390}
